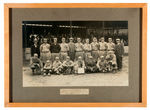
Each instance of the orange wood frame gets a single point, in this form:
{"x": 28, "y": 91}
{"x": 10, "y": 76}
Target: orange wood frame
{"x": 143, "y": 6}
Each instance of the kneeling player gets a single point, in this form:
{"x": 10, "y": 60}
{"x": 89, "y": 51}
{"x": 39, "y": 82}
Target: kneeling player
{"x": 79, "y": 66}
{"x": 67, "y": 66}
{"x": 101, "y": 64}
{"x": 111, "y": 62}
{"x": 90, "y": 65}
{"x": 57, "y": 66}
{"x": 47, "y": 68}
{"x": 35, "y": 64}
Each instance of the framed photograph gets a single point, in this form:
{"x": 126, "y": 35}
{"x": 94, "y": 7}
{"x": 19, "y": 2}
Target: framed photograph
{"x": 76, "y": 55}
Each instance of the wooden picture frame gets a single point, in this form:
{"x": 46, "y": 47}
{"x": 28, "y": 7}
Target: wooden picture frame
{"x": 8, "y": 6}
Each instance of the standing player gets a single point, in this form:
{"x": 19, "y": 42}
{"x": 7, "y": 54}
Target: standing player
{"x": 64, "y": 50}
{"x": 95, "y": 49}
{"x": 110, "y": 45}
{"x": 103, "y": 47}
{"x": 119, "y": 51}
{"x": 55, "y": 49}
{"x": 79, "y": 49}
{"x": 87, "y": 49}
{"x": 45, "y": 51}
{"x": 71, "y": 49}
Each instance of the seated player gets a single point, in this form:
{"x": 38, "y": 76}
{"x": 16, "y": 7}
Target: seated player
{"x": 35, "y": 64}
{"x": 101, "y": 64}
{"x": 57, "y": 66}
{"x": 111, "y": 62}
{"x": 47, "y": 68}
{"x": 67, "y": 66}
{"x": 90, "y": 65}
{"x": 79, "y": 66}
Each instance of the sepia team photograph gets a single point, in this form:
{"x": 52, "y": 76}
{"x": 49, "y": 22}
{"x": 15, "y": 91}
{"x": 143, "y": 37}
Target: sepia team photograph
{"x": 75, "y": 53}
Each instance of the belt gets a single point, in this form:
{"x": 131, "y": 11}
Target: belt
{"x": 45, "y": 51}
{"x": 79, "y": 51}
{"x": 63, "y": 51}
{"x": 94, "y": 50}
{"x": 87, "y": 51}
{"x": 102, "y": 50}
{"x": 111, "y": 50}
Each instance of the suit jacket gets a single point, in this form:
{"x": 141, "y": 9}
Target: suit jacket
{"x": 119, "y": 49}
{"x": 35, "y": 49}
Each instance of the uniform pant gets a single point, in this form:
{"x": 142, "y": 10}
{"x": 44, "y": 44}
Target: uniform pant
{"x": 63, "y": 56}
{"x": 77, "y": 54}
{"x": 45, "y": 56}
{"x": 119, "y": 62}
{"x": 72, "y": 55}
{"x": 53, "y": 56}
{"x": 86, "y": 55}
{"x": 102, "y": 53}
{"x": 95, "y": 54}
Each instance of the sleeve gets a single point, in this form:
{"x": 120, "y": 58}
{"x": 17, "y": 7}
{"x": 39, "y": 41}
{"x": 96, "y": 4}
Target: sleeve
{"x": 41, "y": 46}
{"x": 122, "y": 48}
{"x": 97, "y": 64}
{"x": 51, "y": 48}
{"x": 67, "y": 46}
{"x": 59, "y": 48}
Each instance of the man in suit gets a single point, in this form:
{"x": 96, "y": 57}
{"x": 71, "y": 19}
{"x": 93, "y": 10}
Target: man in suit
{"x": 35, "y": 48}
{"x": 119, "y": 51}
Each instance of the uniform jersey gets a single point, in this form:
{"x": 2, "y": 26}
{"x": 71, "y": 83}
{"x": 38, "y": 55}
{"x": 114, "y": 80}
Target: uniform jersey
{"x": 87, "y": 47}
{"x": 78, "y": 47}
{"x": 95, "y": 46}
{"x": 45, "y": 48}
{"x": 103, "y": 46}
{"x": 64, "y": 47}
{"x": 110, "y": 46}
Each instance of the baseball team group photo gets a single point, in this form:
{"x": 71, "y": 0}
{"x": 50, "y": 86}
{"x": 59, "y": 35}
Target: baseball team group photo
{"x": 75, "y": 53}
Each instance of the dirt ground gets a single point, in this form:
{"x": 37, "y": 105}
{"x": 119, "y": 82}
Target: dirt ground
{"x": 95, "y": 79}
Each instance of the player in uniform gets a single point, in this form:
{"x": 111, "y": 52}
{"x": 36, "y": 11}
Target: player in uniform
{"x": 71, "y": 49}
{"x": 111, "y": 62}
{"x": 119, "y": 51}
{"x": 57, "y": 66}
{"x": 110, "y": 46}
{"x": 35, "y": 64}
{"x": 95, "y": 49}
{"x": 68, "y": 65}
{"x": 90, "y": 64}
{"x": 87, "y": 49}
{"x": 47, "y": 68}
{"x": 79, "y": 49}
{"x": 64, "y": 50}
{"x": 55, "y": 49}
{"x": 103, "y": 47}
{"x": 45, "y": 51}
{"x": 102, "y": 64}
{"x": 79, "y": 63}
